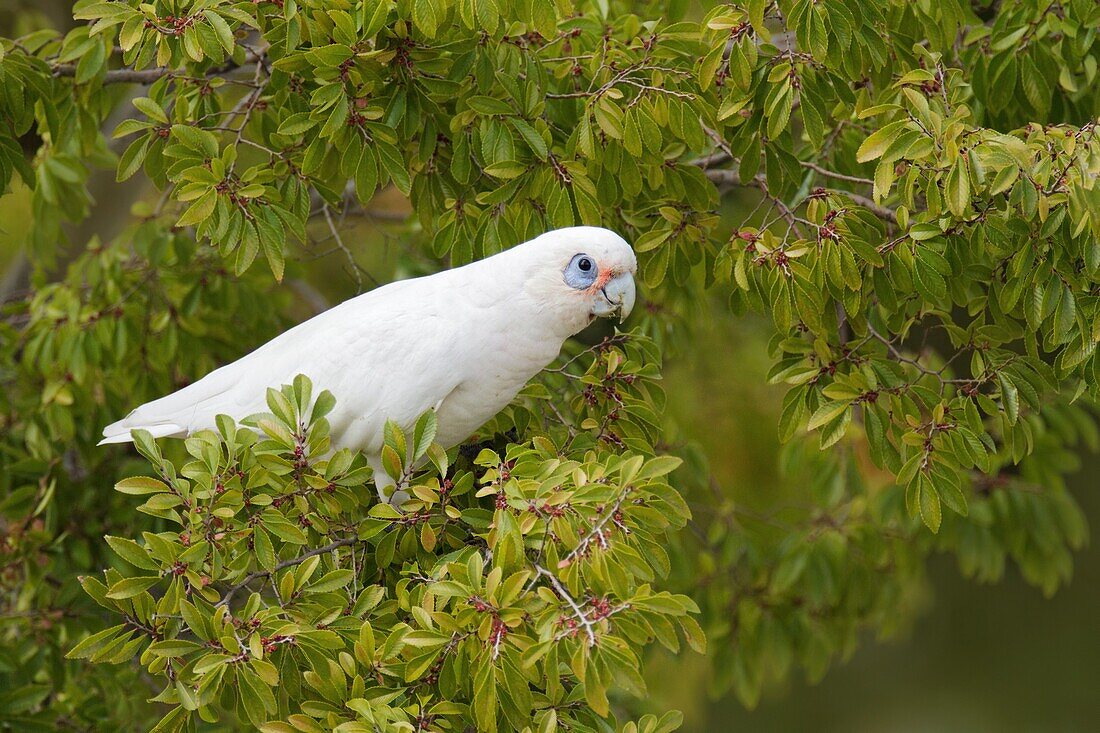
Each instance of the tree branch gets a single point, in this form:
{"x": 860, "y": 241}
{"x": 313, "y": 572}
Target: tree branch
{"x": 148, "y": 76}
{"x": 596, "y": 533}
{"x": 759, "y": 181}
{"x": 343, "y": 247}
{"x": 15, "y": 277}
{"x": 726, "y": 176}
{"x": 283, "y": 565}
{"x": 833, "y": 174}
{"x": 878, "y": 210}
{"x": 313, "y": 297}
{"x": 120, "y": 76}
{"x": 564, "y": 594}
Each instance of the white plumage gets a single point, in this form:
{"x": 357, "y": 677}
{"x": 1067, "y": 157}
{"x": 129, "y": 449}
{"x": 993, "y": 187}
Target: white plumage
{"x": 462, "y": 342}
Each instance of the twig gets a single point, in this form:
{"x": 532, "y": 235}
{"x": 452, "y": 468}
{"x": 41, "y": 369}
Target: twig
{"x": 833, "y": 174}
{"x": 343, "y": 247}
{"x": 283, "y": 565}
{"x": 311, "y": 295}
{"x": 397, "y": 217}
{"x": 120, "y": 76}
{"x": 759, "y": 181}
{"x": 878, "y": 210}
{"x": 589, "y": 628}
{"x": 148, "y": 76}
{"x": 596, "y": 531}
{"x": 14, "y": 278}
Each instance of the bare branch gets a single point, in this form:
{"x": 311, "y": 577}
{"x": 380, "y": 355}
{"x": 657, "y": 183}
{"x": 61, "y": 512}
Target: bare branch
{"x": 343, "y": 247}
{"x": 398, "y": 217}
{"x": 120, "y": 76}
{"x": 15, "y": 277}
{"x": 833, "y": 174}
{"x": 759, "y": 181}
{"x": 868, "y": 203}
{"x": 311, "y": 295}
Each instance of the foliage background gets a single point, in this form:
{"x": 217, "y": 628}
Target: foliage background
{"x": 976, "y": 657}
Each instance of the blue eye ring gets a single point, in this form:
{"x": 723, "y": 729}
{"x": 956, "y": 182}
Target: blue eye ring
{"x": 581, "y": 272}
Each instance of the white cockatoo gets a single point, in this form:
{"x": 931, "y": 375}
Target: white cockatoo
{"x": 462, "y": 342}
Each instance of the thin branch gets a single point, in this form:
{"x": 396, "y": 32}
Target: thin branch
{"x": 833, "y": 174}
{"x": 14, "y": 278}
{"x": 725, "y": 176}
{"x": 148, "y": 76}
{"x": 283, "y": 565}
{"x": 589, "y": 628}
{"x": 311, "y": 295}
{"x": 397, "y": 217}
{"x": 120, "y": 76}
{"x": 596, "y": 531}
{"x": 878, "y": 210}
{"x": 759, "y": 181}
{"x": 343, "y": 247}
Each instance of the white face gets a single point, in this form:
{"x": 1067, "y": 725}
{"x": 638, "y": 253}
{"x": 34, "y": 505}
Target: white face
{"x": 598, "y": 266}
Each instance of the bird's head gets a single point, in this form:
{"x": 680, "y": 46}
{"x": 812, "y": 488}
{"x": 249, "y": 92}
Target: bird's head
{"x": 587, "y": 271}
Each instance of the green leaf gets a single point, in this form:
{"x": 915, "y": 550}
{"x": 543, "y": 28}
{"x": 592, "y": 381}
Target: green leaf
{"x": 296, "y": 124}
{"x": 221, "y": 30}
{"x": 91, "y": 644}
{"x": 202, "y": 141}
{"x": 485, "y": 696}
{"x": 531, "y": 137}
{"x": 394, "y": 165}
{"x": 138, "y": 485}
{"x": 199, "y": 210}
{"x": 173, "y": 647}
{"x": 272, "y": 241}
{"x": 947, "y": 485}
{"x": 130, "y": 587}
{"x": 1010, "y": 398}
{"x": 877, "y": 142}
{"x": 331, "y": 581}
{"x": 132, "y": 158}
{"x": 929, "y": 505}
{"x": 958, "y": 188}
{"x": 427, "y": 16}
{"x": 151, "y": 109}
{"x": 366, "y": 176}
{"x": 490, "y": 106}
{"x": 826, "y": 413}
{"x": 132, "y": 552}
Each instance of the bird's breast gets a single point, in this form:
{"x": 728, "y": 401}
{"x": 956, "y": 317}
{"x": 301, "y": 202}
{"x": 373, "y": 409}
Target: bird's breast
{"x": 508, "y": 359}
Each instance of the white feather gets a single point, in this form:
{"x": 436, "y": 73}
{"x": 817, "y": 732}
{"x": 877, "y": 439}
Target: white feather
{"x": 462, "y": 342}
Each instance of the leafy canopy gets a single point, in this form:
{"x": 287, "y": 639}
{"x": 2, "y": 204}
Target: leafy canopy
{"x": 442, "y": 615}
{"x": 906, "y": 189}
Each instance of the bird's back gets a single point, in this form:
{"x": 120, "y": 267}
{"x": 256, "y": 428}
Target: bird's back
{"x": 462, "y": 341}
{"x": 329, "y": 348}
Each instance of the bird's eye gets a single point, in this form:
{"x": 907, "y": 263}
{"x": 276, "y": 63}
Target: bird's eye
{"x": 580, "y": 272}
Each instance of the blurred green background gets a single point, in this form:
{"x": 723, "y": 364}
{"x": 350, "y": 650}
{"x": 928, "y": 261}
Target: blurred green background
{"x": 975, "y": 658}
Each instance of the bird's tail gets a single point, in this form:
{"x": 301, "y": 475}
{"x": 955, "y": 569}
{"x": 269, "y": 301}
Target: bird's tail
{"x": 120, "y": 432}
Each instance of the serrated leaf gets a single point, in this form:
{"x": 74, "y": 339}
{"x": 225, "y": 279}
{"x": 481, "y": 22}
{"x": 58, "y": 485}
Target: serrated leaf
{"x": 826, "y": 413}
{"x": 877, "y": 142}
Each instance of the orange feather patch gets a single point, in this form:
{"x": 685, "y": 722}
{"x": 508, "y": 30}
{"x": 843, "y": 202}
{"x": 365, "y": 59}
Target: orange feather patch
{"x": 605, "y": 275}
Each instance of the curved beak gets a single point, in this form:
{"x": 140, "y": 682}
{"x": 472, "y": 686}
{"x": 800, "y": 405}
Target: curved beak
{"x": 616, "y": 297}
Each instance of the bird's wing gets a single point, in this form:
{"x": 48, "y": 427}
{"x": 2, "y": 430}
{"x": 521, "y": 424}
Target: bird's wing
{"x": 180, "y": 413}
{"x": 382, "y": 352}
